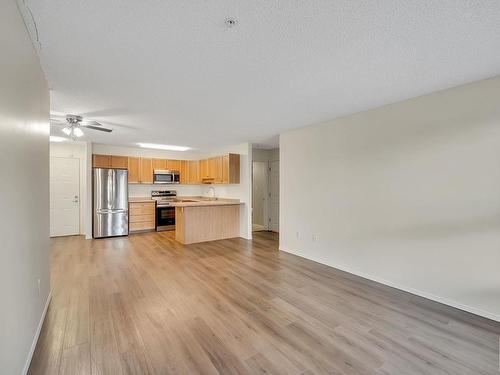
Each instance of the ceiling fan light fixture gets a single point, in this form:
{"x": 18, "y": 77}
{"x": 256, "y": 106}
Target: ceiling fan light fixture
{"x": 157, "y": 146}
{"x": 66, "y": 130}
{"x": 77, "y": 132}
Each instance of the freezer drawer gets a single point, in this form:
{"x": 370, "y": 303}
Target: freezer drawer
{"x": 110, "y": 224}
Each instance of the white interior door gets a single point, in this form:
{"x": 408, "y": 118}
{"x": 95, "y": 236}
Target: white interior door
{"x": 259, "y": 195}
{"x": 274, "y": 196}
{"x": 64, "y": 196}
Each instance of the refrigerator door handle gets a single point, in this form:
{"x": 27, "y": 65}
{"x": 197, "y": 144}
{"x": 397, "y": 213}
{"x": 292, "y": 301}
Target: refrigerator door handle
{"x": 111, "y": 211}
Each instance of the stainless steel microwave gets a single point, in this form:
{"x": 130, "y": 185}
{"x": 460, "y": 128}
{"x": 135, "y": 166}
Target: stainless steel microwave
{"x": 165, "y": 177}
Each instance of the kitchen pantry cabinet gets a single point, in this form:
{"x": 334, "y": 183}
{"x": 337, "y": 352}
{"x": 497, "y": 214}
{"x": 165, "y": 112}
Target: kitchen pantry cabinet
{"x": 223, "y": 169}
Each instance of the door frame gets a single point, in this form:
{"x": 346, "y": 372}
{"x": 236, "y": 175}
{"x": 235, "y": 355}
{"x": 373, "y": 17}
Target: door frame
{"x": 269, "y": 226}
{"x": 266, "y": 213}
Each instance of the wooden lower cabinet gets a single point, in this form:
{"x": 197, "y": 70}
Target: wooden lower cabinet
{"x": 206, "y": 223}
{"x": 141, "y": 216}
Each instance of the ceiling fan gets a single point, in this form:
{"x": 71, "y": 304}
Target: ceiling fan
{"x": 73, "y": 125}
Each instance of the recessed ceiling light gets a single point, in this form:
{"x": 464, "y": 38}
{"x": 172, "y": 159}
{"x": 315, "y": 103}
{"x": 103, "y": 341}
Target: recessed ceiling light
{"x": 231, "y": 22}
{"x": 163, "y": 147}
{"x": 54, "y": 138}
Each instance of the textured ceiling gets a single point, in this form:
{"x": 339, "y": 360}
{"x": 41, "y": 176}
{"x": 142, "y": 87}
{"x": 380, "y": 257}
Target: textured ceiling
{"x": 172, "y": 72}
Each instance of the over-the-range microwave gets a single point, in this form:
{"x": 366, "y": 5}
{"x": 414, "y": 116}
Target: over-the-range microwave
{"x": 165, "y": 177}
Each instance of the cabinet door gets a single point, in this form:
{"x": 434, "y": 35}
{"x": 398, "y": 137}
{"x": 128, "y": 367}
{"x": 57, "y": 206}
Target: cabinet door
{"x": 225, "y": 169}
{"x": 119, "y": 162}
{"x": 218, "y": 170}
{"x": 231, "y": 169}
{"x": 133, "y": 166}
{"x": 184, "y": 171}
{"x": 159, "y": 164}
{"x": 146, "y": 171}
{"x": 204, "y": 169}
{"x": 194, "y": 172}
{"x": 212, "y": 168}
{"x": 174, "y": 165}
{"x": 101, "y": 161}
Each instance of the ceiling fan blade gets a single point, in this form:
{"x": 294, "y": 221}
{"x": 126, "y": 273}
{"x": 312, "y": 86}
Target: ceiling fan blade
{"x": 57, "y": 121}
{"x": 90, "y": 122}
{"x": 98, "y": 128}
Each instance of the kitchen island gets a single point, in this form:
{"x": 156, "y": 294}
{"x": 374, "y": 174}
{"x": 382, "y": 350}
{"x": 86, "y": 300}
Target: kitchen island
{"x": 199, "y": 219}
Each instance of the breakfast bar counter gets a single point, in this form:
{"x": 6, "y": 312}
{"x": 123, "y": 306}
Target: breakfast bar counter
{"x": 200, "y": 220}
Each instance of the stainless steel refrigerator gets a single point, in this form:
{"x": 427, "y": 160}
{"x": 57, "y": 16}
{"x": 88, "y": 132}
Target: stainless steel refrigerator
{"x": 110, "y": 202}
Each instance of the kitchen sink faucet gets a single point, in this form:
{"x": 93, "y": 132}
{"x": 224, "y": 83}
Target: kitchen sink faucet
{"x": 213, "y": 191}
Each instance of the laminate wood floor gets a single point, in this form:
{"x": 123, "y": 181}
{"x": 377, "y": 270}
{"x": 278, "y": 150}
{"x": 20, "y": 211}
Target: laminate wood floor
{"x": 145, "y": 304}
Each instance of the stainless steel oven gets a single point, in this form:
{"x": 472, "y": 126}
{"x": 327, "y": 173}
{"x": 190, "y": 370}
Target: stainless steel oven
{"x": 165, "y": 218}
{"x": 166, "y": 177}
{"x": 165, "y": 213}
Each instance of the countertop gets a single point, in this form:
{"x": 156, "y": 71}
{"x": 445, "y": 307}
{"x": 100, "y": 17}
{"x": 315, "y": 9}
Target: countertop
{"x": 191, "y": 201}
{"x": 140, "y": 200}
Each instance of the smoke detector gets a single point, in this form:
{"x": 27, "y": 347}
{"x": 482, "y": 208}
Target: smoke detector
{"x": 231, "y": 22}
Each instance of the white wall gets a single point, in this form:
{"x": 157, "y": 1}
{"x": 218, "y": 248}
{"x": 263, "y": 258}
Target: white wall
{"x": 407, "y": 194}
{"x": 24, "y": 192}
{"x": 76, "y": 150}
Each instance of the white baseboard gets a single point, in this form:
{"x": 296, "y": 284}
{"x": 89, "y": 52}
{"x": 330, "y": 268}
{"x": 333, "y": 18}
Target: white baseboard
{"x": 430, "y": 296}
{"x": 37, "y": 334}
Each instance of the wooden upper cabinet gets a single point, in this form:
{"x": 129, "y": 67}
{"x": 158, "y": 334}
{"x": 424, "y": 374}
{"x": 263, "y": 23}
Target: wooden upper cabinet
{"x": 225, "y": 169}
{"x": 231, "y": 169}
{"x": 159, "y": 164}
{"x": 101, "y": 161}
{"x": 174, "y": 165}
{"x": 134, "y": 170}
{"x": 109, "y": 161}
{"x": 204, "y": 169}
{"x": 218, "y": 170}
{"x": 183, "y": 171}
{"x": 119, "y": 162}
{"x": 212, "y": 169}
{"x": 194, "y": 172}
{"x": 146, "y": 170}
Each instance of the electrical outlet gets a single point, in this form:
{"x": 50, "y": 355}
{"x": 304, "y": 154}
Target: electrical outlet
{"x": 315, "y": 238}
{"x": 39, "y": 287}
